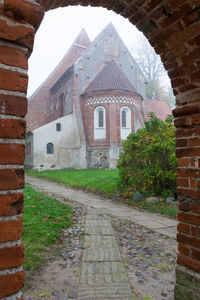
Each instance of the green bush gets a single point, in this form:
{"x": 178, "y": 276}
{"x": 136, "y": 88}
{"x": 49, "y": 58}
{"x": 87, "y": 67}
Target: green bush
{"x": 148, "y": 162}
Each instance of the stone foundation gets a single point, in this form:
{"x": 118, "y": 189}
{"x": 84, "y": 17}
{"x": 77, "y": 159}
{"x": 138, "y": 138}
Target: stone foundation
{"x": 187, "y": 284}
{"x": 98, "y": 158}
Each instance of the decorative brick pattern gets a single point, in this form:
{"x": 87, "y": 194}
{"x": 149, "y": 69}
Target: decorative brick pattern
{"x": 110, "y": 99}
{"x": 172, "y": 28}
{"x": 107, "y": 99}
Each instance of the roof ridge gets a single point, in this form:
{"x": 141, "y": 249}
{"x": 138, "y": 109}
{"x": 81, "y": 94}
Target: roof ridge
{"x": 59, "y": 64}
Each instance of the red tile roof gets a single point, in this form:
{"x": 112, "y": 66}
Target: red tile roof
{"x": 110, "y": 78}
{"x": 160, "y": 108}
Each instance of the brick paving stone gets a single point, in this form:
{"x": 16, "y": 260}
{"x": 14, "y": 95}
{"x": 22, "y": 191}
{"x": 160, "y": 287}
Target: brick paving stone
{"x": 100, "y": 241}
{"x": 103, "y": 274}
{"x": 113, "y": 291}
{"x": 101, "y": 227}
{"x": 96, "y": 217}
{"x": 101, "y": 254}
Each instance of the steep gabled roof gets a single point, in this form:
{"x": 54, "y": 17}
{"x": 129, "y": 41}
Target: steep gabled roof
{"x": 110, "y": 78}
{"x": 36, "y": 116}
{"x": 81, "y": 42}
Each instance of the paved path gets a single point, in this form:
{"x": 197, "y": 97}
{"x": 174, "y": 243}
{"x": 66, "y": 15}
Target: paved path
{"x": 152, "y": 221}
{"x": 103, "y": 275}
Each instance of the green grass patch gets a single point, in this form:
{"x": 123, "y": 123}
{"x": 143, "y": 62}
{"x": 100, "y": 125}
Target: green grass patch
{"x": 100, "y": 180}
{"x": 44, "y": 218}
{"x": 161, "y": 208}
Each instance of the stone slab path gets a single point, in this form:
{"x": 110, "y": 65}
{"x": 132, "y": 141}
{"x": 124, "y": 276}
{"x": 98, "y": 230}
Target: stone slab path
{"x": 103, "y": 275}
{"x": 149, "y": 220}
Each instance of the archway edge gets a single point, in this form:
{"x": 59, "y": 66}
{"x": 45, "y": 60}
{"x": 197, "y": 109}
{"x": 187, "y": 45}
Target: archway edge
{"x": 172, "y": 27}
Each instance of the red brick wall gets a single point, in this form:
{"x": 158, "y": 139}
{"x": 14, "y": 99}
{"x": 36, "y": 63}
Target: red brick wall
{"x": 38, "y": 109}
{"x": 17, "y": 38}
{"x": 172, "y": 28}
{"x": 112, "y": 117}
{"x": 57, "y": 99}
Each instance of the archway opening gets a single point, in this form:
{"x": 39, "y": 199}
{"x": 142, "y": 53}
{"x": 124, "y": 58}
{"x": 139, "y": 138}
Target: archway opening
{"x": 173, "y": 30}
{"x": 115, "y": 51}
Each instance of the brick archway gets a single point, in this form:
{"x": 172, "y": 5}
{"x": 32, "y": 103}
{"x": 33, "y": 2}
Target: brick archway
{"x": 172, "y": 27}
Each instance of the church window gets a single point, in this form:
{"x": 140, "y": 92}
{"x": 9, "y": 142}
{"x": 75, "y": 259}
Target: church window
{"x": 125, "y": 122}
{"x": 100, "y": 118}
{"x": 123, "y": 118}
{"x": 99, "y": 123}
{"x": 58, "y": 127}
{"x": 50, "y": 148}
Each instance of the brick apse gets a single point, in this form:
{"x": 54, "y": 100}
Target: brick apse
{"x": 173, "y": 29}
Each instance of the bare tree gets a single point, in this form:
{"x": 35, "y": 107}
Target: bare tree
{"x": 152, "y": 68}
{"x": 149, "y": 62}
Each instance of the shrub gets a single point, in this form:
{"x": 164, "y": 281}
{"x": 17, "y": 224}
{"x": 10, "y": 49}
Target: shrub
{"x": 148, "y": 162}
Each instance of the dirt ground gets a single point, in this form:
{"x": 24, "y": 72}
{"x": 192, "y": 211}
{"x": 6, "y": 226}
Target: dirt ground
{"x": 58, "y": 277}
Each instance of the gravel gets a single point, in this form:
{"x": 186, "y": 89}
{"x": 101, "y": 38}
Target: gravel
{"x": 150, "y": 259}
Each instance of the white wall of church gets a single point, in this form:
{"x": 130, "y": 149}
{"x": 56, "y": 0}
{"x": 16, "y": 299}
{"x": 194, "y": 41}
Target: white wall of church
{"x": 29, "y": 150}
{"x": 67, "y": 150}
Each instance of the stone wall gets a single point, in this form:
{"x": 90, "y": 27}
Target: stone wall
{"x": 98, "y": 157}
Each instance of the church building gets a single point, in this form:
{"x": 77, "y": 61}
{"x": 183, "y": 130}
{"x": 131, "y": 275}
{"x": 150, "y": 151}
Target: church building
{"x": 87, "y": 106}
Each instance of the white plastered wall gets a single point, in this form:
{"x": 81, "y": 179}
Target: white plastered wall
{"x": 68, "y": 152}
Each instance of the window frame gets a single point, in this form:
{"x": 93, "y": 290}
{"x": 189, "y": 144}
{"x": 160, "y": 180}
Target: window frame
{"x": 58, "y": 127}
{"x": 125, "y": 130}
{"x": 97, "y": 110}
{"x": 52, "y": 148}
{"x": 99, "y": 131}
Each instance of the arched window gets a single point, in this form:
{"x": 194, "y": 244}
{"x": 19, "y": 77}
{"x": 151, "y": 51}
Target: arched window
{"x": 125, "y": 117}
{"x": 58, "y": 127}
{"x": 100, "y": 118}
{"x": 49, "y": 148}
{"x": 99, "y": 122}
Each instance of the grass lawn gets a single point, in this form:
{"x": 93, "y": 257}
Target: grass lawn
{"x": 161, "y": 208}
{"x": 44, "y": 219}
{"x": 102, "y": 180}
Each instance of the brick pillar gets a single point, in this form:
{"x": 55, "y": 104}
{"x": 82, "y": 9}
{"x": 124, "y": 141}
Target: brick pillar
{"x": 18, "y": 21}
{"x": 187, "y": 121}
